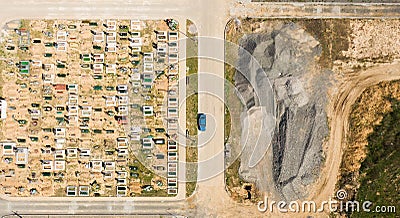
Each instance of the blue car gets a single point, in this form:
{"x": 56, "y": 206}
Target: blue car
{"x": 201, "y": 122}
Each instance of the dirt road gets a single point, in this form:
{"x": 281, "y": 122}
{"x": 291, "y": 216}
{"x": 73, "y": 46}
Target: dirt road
{"x": 350, "y": 88}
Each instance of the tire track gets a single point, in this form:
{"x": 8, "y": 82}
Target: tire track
{"x": 338, "y": 113}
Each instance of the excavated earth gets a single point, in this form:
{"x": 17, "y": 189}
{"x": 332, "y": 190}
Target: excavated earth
{"x": 287, "y": 55}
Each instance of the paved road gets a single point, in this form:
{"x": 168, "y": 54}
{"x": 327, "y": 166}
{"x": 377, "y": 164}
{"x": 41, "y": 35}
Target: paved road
{"x": 316, "y": 10}
{"x": 210, "y": 16}
{"x": 89, "y": 207}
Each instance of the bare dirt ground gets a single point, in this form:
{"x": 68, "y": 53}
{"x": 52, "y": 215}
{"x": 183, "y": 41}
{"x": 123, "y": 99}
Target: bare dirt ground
{"x": 371, "y": 57}
{"x": 338, "y": 112}
{"x": 369, "y": 61}
{"x": 350, "y": 89}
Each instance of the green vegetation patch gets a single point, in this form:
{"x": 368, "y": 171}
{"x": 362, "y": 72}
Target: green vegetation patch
{"x": 231, "y": 177}
{"x": 380, "y": 171}
{"x": 191, "y": 110}
{"x": 191, "y": 114}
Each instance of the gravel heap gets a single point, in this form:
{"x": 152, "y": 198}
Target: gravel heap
{"x": 286, "y": 54}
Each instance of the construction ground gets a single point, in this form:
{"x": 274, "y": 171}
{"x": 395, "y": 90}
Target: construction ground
{"x": 314, "y": 66}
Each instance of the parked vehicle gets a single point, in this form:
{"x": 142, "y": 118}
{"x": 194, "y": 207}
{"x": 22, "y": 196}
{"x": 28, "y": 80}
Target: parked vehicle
{"x": 201, "y": 121}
